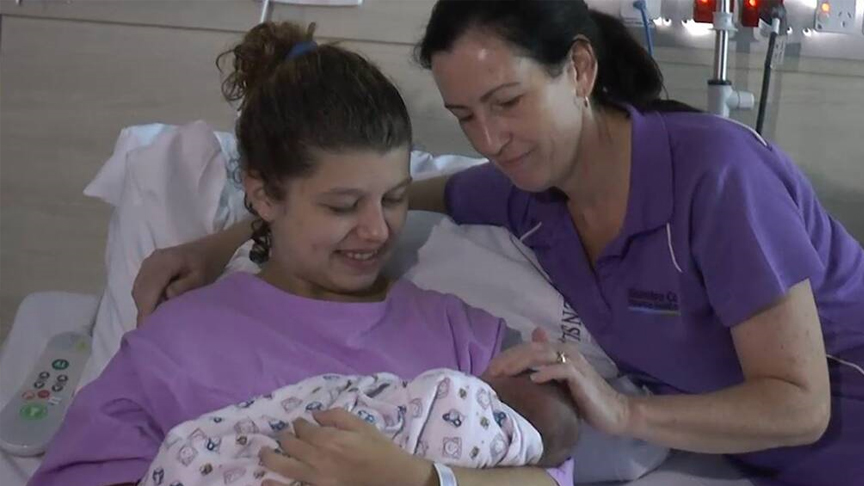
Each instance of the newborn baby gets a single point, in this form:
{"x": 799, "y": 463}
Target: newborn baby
{"x": 443, "y": 415}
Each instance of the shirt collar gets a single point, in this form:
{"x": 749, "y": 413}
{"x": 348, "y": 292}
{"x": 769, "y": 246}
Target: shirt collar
{"x": 651, "y": 197}
{"x": 650, "y": 200}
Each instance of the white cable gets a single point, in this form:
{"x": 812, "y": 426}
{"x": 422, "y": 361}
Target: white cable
{"x": 530, "y": 232}
{"x": 530, "y": 258}
{"x": 847, "y": 363}
{"x": 672, "y": 250}
{"x": 749, "y": 129}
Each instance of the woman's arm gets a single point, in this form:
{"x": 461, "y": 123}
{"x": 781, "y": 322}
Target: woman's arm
{"x": 345, "y": 449}
{"x": 755, "y": 256}
{"x": 428, "y": 194}
{"x": 783, "y": 401}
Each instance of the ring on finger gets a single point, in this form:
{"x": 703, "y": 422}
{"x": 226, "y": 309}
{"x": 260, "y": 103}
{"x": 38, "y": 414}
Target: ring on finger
{"x": 561, "y": 357}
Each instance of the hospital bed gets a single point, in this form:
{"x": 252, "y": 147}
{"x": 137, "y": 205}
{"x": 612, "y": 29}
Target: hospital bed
{"x": 154, "y": 165}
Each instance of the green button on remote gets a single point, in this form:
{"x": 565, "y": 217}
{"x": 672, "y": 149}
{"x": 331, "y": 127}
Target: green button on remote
{"x": 59, "y": 364}
{"x": 34, "y": 411}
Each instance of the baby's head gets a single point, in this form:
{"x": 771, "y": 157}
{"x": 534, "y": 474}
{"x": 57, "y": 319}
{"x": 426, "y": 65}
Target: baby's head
{"x": 548, "y": 407}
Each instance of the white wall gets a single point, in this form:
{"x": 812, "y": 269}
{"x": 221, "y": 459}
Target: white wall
{"x": 72, "y": 74}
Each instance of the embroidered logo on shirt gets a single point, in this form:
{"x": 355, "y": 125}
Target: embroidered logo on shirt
{"x": 158, "y": 476}
{"x": 571, "y": 325}
{"x": 651, "y": 302}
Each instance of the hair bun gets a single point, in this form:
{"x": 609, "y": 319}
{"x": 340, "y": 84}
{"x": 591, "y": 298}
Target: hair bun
{"x": 257, "y": 56}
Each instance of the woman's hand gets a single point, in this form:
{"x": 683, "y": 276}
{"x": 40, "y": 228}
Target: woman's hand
{"x": 599, "y": 404}
{"x": 344, "y": 450}
{"x": 169, "y": 272}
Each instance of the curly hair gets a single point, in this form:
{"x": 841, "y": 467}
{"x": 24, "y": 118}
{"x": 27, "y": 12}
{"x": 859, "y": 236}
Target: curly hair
{"x": 327, "y": 98}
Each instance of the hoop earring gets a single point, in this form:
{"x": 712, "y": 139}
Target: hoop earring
{"x": 585, "y": 101}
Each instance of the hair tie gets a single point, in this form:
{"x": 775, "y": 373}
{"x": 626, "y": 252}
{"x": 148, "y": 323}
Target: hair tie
{"x": 300, "y": 49}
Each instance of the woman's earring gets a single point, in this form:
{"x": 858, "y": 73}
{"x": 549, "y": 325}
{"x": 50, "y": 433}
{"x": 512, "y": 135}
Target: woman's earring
{"x": 584, "y": 101}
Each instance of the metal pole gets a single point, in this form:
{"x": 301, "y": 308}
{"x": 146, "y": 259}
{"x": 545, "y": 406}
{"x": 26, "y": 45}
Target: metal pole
{"x": 721, "y": 45}
{"x": 265, "y": 11}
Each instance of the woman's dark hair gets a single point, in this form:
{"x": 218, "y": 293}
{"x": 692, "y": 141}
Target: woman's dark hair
{"x": 319, "y": 97}
{"x": 545, "y": 30}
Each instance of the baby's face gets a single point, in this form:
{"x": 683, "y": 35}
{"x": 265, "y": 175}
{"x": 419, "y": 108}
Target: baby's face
{"x": 533, "y": 401}
{"x": 506, "y": 383}
{"x": 548, "y": 407}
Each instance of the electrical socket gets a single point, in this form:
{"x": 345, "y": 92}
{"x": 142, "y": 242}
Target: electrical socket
{"x": 837, "y": 16}
{"x": 631, "y": 15}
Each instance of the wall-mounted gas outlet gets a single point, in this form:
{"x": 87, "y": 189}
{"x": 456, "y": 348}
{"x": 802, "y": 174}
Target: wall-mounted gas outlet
{"x": 631, "y": 15}
{"x": 836, "y": 16}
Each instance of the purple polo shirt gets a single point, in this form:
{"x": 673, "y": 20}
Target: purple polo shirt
{"x": 719, "y": 226}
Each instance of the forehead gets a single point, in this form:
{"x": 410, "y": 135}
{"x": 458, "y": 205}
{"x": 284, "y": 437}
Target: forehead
{"x": 366, "y": 170}
{"x": 478, "y": 61}
{"x": 511, "y": 385}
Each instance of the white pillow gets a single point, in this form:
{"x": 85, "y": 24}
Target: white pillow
{"x": 109, "y": 181}
{"x": 169, "y": 193}
{"x": 425, "y": 165}
{"x": 489, "y": 268}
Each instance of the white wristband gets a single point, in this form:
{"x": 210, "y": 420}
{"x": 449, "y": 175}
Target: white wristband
{"x": 445, "y": 475}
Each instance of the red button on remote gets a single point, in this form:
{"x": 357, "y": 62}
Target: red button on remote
{"x": 43, "y": 394}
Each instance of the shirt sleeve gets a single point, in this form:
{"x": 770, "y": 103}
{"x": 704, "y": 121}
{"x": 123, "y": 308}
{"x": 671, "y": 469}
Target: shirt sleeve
{"x": 484, "y": 195}
{"x": 477, "y": 335}
{"x": 563, "y": 474}
{"x": 109, "y": 435}
{"x": 749, "y": 237}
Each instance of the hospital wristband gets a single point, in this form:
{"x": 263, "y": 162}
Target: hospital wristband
{"x": 445, "y": 475}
